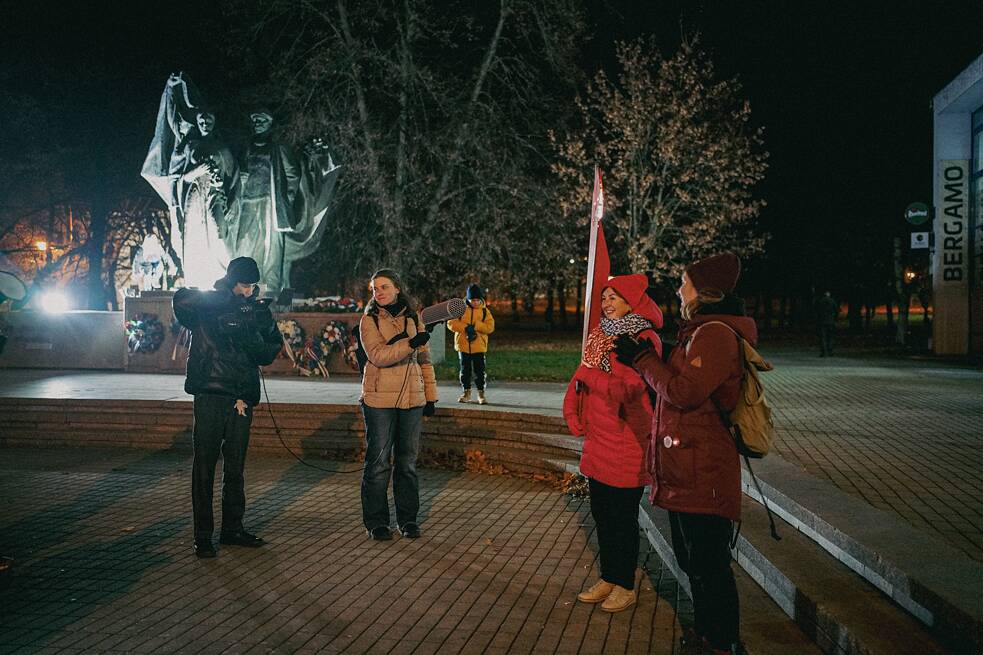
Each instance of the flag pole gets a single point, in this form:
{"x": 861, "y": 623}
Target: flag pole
{"x": 596, "y": 214}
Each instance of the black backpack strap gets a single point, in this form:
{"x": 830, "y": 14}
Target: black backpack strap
{"x": 764, "y": 501}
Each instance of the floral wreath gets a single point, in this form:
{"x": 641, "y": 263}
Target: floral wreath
{"x": 293, "y": 338}
{"x": 310, "y": 359}
{"x": 144, "y": 334}
{"x": 334, "y": 337}
{"x": 351, "y": 350}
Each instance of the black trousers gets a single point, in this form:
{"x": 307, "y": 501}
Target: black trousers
{"x": 475, "y": 362}
{"x": 701, "y": 543}
{"x": 218, "y": 428}
{"x": 615, "y": 512}
{"x": 827, "y": 335}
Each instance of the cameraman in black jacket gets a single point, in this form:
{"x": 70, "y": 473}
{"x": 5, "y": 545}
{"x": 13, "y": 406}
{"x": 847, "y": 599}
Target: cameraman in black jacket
{"x": 232, "y": 334}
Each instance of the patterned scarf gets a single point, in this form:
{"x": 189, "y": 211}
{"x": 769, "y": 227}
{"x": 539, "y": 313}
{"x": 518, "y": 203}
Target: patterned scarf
{"x": 600, "y": 340}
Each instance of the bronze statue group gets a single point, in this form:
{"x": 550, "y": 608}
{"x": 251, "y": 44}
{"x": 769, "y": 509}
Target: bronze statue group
{"x": 265, "y": 200}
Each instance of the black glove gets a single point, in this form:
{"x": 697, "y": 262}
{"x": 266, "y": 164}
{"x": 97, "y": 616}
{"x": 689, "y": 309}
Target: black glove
{"x": 430, "y": 408}
{"x": 431, "y": 327}
{"x": 628, "y": 349}
{"x": 264, "y": 317}
{"x": 420, "y": 339}
{"x": 470, "y": 333}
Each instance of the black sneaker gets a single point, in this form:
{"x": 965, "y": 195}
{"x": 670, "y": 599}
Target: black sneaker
{"x": 204, "y": 548}
{"x": 381, "y": 533}
{"x": 240, "y": 538}
{"x": 410, "y": 531}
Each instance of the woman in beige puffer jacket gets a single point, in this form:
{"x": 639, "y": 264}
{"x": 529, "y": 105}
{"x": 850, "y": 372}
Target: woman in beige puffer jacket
{"x": 398, "y": 390}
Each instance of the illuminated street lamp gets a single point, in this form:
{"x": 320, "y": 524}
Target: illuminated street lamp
{"x": 41, "y": 245}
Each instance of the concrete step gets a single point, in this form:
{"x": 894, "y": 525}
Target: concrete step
{"x": 765, "y": 628}
{"x": 331, "y": 431}
{"x": 840, "y": 610}
{"x": 935, "y": 583}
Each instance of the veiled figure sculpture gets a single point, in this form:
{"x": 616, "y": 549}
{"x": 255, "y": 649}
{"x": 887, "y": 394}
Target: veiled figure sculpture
{"x": 195, "y": 173}
{"x": 269, "y": 203}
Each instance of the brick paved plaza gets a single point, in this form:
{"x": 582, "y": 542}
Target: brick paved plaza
{"x": 104, "y": 564}
{"x": 102, "y": 549}
{"x": 906, "y": 436}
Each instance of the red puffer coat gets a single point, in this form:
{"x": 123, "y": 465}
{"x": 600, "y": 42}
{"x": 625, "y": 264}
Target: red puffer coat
{"x": 693, "y": 459}
{"x": 614, "y": 413}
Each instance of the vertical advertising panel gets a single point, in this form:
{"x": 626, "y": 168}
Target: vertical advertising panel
{"x": 952, "y": 225}
{"x": 976, "y": 290}
{"x": 951, "y": 263}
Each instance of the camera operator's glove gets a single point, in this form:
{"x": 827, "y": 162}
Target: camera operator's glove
{"x": 470, "y": 333}
{"x": 430, "y": 408}
{"x": 628, "y": 349}
{"x": 420, "y": 339}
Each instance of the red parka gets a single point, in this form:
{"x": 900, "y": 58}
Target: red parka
{"x": 693, "y": 459}
{"x": 614, "y": 413}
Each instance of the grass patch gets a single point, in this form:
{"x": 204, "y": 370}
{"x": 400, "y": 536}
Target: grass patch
{"x": 526, "y": 352}
{"x": 520, "y": 365}
{"x": 523, "y": 355}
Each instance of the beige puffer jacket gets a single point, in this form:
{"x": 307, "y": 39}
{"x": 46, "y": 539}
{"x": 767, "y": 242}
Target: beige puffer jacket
{"x": 395, "y": 375}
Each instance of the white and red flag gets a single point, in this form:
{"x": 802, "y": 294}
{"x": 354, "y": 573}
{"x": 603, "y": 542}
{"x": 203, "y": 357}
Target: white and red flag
{"x": 598, "y": 263}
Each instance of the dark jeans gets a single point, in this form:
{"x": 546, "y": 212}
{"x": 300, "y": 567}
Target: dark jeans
{"x": 475, "y": 362}
{"x": 615, "y": 512}
{"x": 701, "y": 543}
{"x": 390, "y": 433}
{"x": 827, "y": 333}
{"x": 218, "y": 428}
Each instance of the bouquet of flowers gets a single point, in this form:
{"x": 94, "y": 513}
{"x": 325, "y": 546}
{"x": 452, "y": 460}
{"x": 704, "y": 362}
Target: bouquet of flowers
{"x": 332, "y": 305}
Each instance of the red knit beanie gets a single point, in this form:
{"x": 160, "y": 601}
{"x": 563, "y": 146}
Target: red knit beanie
{"x": 632, "y": 289}
{"x": 719, "y": 272}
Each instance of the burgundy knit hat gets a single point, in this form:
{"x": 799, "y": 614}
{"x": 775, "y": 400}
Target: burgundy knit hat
{"x": 718, "y": 272}
{"x": 632, "y": 289}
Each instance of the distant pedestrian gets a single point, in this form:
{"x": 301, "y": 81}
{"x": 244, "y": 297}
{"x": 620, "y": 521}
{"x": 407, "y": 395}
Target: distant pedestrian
{"x": 608, "y": 404}
{"x": 827, "y": 311}
{"x": 471, "y": 343}
{"x": 398, "y": 390}
{"x": 695, "y": 465}
{"x": 232, "y": 335}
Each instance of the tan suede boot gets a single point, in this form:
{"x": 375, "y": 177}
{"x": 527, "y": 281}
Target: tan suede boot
{"x": 597, "y": 593}
{"x": 481, "y": 397}
{"x": 619, "y": 599}
{"x": 465, "y": 397}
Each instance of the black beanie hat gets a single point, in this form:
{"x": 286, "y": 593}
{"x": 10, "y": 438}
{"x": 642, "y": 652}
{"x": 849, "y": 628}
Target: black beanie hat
{"x": 474, "y": 291}
{"x": 242, "y": 269}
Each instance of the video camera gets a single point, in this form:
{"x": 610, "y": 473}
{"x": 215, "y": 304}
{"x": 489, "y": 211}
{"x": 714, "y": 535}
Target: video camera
{"x": 247, "y": 319}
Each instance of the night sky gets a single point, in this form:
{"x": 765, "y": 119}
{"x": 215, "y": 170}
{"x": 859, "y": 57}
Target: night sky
{"x": 842, "y": 89}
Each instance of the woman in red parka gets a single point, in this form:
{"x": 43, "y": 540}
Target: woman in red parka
{"x": 607, "y": 403}
{"x": 695, "y": 467}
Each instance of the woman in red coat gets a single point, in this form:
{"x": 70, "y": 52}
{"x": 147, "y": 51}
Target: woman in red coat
{"x": 695, "y": 468}
{"x": 607, "y": 403}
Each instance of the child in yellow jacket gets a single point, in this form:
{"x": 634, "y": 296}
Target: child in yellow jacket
{"x": 471, "y": 342}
